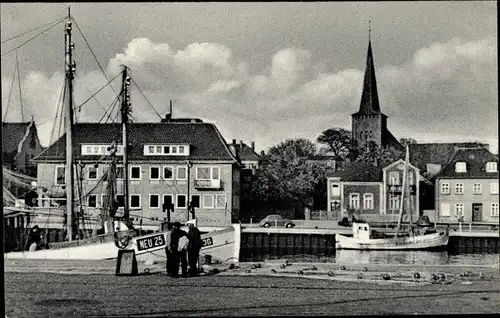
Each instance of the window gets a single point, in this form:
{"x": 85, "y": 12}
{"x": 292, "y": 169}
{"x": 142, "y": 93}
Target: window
{"x": 354, "y": 200}
{"x": 60, "y": 174}
{"x": 168, "y": 200}
{"x": 168, "y": 173}
{"x": 394, "y": 203}
{"x": 182, "y": 173}
{"x": 220, "y": 201}
{"x": 335, "y": 190}
{"x": 154, "y": 173}
{"x": 195, "y": 200}
{"x": 394, "y": 177}
{"x": 135, "y": 201}
{"x": 154, "y": 201}
{"x": 494, "y": 209}
{"x": 208, "y": 201}
{"x": 203, "y": 173}
{"x": 120, "y": 172}
{"x": 92, "y": 173}
{"x": 181, "y": 201}
{"x": 215, "y": 173}
{"x": 120, "y": 198}
{"x": 92, "y": 203}
{"x": 411, "y": 178}
{"x": 135, "y": 173}
{"x": 445, "y": 188}
{"x": 494, "y": 187}
{"x": 166, "y": 150}
{"x": 459, "y": 209}
{"x": 444, "y": 209}
{"x": 104, "y": 198}
{"x": 460, "y": 167}
{"x": 368, "y": 201}
{"x": 459, "y": 188}
{"x": 491, "y": 167}
{"x": 99, "y": 150}
{"x": 476, "y": 188}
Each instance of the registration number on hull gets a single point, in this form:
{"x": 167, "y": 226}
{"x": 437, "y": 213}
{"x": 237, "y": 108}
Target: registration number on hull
{"x": 150, "y": 242}
{"x": 207, "y": 241}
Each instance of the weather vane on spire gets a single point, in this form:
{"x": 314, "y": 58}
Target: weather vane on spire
{"x": 369, "y": 30}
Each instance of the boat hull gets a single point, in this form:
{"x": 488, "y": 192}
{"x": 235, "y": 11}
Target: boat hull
{"x": 222, "y": 245}
{"x": 418, "y": 242}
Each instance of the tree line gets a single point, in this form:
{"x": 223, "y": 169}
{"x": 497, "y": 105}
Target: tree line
{"x": 288, "y": 180}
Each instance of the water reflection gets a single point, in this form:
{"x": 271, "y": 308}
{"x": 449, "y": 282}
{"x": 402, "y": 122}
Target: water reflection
{"x": 414, "y": 258}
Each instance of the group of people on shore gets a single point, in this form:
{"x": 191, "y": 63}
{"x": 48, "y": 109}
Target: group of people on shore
{"x": 182, "y": 249}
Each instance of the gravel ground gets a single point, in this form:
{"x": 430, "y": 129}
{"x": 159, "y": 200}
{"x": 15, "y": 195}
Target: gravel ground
{"x": 86, "y": 289}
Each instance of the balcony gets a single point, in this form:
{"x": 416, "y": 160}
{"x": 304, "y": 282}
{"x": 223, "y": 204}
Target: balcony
{"x": 397, "y": 189}
{"x": 213, "y": 184}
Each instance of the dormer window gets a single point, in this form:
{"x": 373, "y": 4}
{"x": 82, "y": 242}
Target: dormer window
{"x": 491, "y": 167}
{"x": 460, "y": 167}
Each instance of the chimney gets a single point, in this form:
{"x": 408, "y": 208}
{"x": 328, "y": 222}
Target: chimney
{"x": 234, "y": 141}
{"x": 241, "y": 144}
{"x": 171, "y": 109}
{"x": 253, "y": 145}
{"x": 262, "y": 153}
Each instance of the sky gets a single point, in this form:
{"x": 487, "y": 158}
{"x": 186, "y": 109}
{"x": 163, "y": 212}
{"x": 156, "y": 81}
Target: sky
{"x": 263, "y": 72}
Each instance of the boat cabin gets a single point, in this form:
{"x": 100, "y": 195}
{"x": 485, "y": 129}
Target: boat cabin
{"x": 361, "y": 231}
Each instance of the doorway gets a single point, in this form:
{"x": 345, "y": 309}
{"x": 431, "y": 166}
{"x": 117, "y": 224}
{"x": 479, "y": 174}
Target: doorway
{"x": 477, "y": 212}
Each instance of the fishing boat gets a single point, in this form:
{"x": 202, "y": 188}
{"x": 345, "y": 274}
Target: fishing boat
{"x": 222, "y": 244}
{"x": 410, "y": 238}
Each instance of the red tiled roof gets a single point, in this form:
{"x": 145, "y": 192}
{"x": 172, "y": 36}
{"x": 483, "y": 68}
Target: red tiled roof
{"x": 358, "y": 172}
{"x": 204, "y": 138}
{"x": 12, "y": 134}
{"x": 475, "y": 159}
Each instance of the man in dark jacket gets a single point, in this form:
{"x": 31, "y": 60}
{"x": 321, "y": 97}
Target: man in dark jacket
{"x": 194, "y": 248}
{"x": 179, "y": 256}
{"x": 34, "y": 237}
{"x": 168, "y": 251}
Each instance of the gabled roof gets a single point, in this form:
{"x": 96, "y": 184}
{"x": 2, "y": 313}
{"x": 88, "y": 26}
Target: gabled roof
{"x": 12, "y": 135}
{"x": 388, "y": 139}
{"x": 475, "y": 159}
{"x": 358, "y": 172}
{"x": 206, "y": 143}
{"x": 246, "y": 153}
{"x": 436, "y": 153}
{"x": 369, "y": 98}
{"x": 399, "y": 161}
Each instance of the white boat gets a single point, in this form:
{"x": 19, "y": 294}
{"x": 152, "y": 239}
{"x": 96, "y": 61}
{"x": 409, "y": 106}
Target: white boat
{"x": 223, "y": 245}
{"x": 364, "y": 238}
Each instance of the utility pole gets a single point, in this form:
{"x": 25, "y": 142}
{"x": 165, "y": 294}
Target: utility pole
{"x": 70, "y": 69}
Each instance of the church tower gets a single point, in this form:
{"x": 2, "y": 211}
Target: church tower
{"x": 369, "y": 123}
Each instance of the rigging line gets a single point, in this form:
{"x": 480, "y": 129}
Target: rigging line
{"x": 111, "y": 106}
{"x": 33, "y": 37}
{"x": 10, "y": 93}
{"x": 109, "y": 82}
{"x": 19, "y": 82}
{"x": 146, "y": 98}
{"x": 26, "y": 32}
{"x": 91, "y": 51}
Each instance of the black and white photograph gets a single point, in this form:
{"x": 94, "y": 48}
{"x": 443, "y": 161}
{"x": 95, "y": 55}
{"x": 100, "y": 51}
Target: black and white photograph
{"x": 228, "y": 159}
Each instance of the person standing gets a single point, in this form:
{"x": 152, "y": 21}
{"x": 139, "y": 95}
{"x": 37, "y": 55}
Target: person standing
{"x": 194, "y": 248}
{"x": 34, "y": 239}
{"x": 168, "y": 250}
{"x": 178, "y": 252}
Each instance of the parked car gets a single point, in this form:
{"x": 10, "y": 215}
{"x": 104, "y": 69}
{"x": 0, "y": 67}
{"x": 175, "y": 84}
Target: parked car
{"x": 276, "y": 220}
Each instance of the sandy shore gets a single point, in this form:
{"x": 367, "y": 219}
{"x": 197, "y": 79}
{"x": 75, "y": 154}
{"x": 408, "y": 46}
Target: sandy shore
{"x": 90, "y": 288}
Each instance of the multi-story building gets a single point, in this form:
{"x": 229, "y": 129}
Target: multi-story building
{"x": 467, "y": 187}
{"x": 169, "y": 163}
{"x": 372, "y": 193}
{"x": 247, "y": 155}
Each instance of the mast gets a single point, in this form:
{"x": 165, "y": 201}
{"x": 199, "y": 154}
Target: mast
{"x": 403, "y": 190}
{"x": 70, "y": 69}
{"x": 125, "y": 110}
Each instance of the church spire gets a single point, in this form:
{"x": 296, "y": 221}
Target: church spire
{"x": 369, "y": 99}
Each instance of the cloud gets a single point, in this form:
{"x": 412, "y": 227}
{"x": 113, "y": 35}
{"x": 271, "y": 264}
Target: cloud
{"x": 447, "y": 89}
